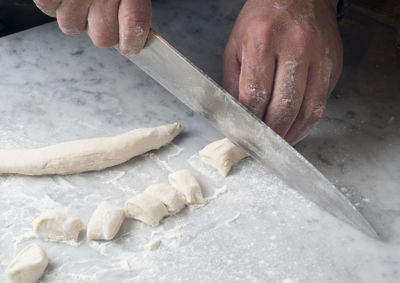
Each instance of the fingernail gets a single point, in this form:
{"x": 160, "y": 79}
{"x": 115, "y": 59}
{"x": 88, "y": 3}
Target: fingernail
{"x": 132, "y": 44}
{"x": 140, "y": 38}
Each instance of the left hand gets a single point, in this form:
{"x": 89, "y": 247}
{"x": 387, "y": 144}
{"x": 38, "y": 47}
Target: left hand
{"x": 107, "y": 22}
{"x": 282, "y": 61}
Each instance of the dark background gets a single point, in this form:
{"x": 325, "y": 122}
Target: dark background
{"x": 17, "y": 15}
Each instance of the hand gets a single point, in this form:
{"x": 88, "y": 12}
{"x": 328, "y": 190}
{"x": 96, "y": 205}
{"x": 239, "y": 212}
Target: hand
{"x": 108, "y": 22}
{"x": 282, "y": 61}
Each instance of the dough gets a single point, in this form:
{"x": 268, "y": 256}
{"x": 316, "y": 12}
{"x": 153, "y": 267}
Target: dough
{"x": 57, "y": 226}
{"x": 222, "y": 155}
{"x": 86, "y": 155}
{"x": 170, "y": 197}
{"x": 105, "y": 222}
{"x": 145, "y": 208}
{"x": 28, "y": 266}
{"x": 185, "y": 183}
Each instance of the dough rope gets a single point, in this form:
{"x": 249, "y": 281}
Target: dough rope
{"x": 86, "y": 155}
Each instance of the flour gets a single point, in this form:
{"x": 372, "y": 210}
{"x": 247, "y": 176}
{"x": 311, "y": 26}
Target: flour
{"x": 153, "y": 244}
{"x": 101, "y": 247}
{"x": 55, "y": 274}
{"x": 162, "y": 163}
{"x": 174, "y": 233}
{"x": 232, "y": 220}
{"x": 178, "y": 150}
{"x": 282, "y": 4}
{"x": 259, "y": 97}
{"x": 117, "y": 177}
{"x": 217, "y": 193}
{"x": 288, "y": 87}
{"x": 31, "y": 235}
{"x": 25, "y": 237}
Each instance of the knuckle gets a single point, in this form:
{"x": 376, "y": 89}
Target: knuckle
{"x": 254, "y": 94}
{"x": 46, "y": 6}
{"x": 103, "y": 40}
{"x": 316, "y": 114}
{"x": 287, "y": 103}
{"x": 261, "y": 27}
{"x": 259, "y": 32}
{"x": 286, "y": 113}
{"x": 302, "y": 36}
{"x": 71, "y": 28}
{"x": 133, "y": 24}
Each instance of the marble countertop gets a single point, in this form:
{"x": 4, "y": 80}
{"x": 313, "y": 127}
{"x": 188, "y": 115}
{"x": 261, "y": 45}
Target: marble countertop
{"x": 55, "y": 88}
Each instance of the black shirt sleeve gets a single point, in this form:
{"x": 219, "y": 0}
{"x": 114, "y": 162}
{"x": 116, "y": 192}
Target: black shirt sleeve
{"x": 342, "y": 7}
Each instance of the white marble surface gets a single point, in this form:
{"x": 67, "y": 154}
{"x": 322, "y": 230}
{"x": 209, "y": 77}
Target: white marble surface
{"x": 55, "y": 88}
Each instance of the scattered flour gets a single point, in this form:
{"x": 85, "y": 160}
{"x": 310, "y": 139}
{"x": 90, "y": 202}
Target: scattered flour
{"x": 163, "y": 164}
{"x": 117, "y": 177}
{"x": 236, "y": 217}
{"x": 25, "y": 237}
{"x": 100, "y": 247}
{"x": 217, "y": 193}
{"x": 178, "y": 151}
{"x": 153, "y": 244}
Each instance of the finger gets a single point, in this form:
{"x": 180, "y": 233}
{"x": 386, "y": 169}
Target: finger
{"x": 48, "y": 7}
{"x": 102, "y": 23}
{"x": 231, "y": 69}
{"x": 257, "y": 70}
{"x": 313, "y": 105}
{"x": 289, "y": 87}
{"x": 134, "y": 18}
{"x": 72, "y": 16}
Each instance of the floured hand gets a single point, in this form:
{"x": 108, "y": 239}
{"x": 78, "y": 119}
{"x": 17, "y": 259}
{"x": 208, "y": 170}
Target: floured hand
{"x": 282, "y": 61}
{"x": 108, "y": 22}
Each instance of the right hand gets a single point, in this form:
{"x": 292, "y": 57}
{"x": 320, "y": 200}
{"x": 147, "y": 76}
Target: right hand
{"x": 108, "y": 22}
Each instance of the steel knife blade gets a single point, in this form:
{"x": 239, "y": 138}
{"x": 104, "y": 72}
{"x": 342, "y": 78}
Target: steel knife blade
{"x": 200, "y": 93}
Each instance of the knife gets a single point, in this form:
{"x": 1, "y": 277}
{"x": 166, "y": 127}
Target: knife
{"x": 200, "y": 93}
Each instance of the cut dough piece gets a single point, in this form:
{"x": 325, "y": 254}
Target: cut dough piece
{"x": 28, "y": 266}
{"x": 105, "y": 222}
{"x": 185, "y": 183}
{"x": 145, "y": 208}
{"x": 86, "y": 155}
{"x": 170, "y": 197}
{"x": 221, "y": 155}
{"x": 57, "y": 226}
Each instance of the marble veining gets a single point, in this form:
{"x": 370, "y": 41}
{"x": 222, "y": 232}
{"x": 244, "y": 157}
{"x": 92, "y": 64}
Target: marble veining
{"x": 55, "y": 88}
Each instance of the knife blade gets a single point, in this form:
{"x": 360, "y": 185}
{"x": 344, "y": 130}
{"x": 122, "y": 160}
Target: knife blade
{"x": 200, "y": 93}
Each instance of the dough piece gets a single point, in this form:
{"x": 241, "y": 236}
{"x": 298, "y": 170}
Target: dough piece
{"x": 145, "y": 208}
{"x": 185, "y": 183}
{"x": 28, "y": 266}
{"x": 86, "y": 155}
{"x": 170, "y": 197}
{"x": 222, "y": 155}
{"x": 105, "y": 222}
{"x": 57, "y": 226}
